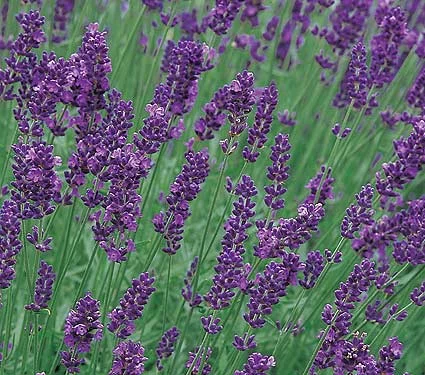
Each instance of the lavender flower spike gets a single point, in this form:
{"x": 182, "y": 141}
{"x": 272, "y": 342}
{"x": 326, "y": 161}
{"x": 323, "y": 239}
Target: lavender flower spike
{"x": 131, "y": 306}
{"x": 257, "y": 135}
{"x": 418, "y": 295}
{"x": 82, "y": 326}
{"x": 257, "y": 364}
{"x": 223, "y": 14}
{"x": 43, "y": 287}
{"x": 197, "y": 358}
{"x": 128, "y": 359}
{"x": 165, "y": 347}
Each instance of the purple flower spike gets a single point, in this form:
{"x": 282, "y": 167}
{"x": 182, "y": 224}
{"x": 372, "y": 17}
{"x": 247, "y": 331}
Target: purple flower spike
{"x": 10, "y": 244}
{"x": 128, "y": 359}
{"x": 313, "y": 268}
{"x": 185, "y": 188}
{"x": 196, "y": 358}
{"x": 131, "y": 306}
{"x": 389, "y": 354}
{"x": 211, "y": 325}
{"x": 187, "y": 291}
{"x": 63, "y": 9}
{"x": 166, "y": 345}
{"x": 82, "y": 326}
{"x": 257, "y": 135}
{"x": 251, "y": 10}
{"x": 320, "y": 184}
{"x": 43, "y": 287}
{"x": 257, "y": 364}
{"x": 271, "y": 27}
{"x": 277, "y": 173}
{"x": 418, "y": 295}
{"x": 230, "y": 270}
{"x": 359, "y": 214}
{"x": 244, "y": 342}
{"x": 34, "y": 239}
{"x": 223, "y": 14}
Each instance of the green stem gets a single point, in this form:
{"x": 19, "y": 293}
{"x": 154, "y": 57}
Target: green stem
{"x": 164, "y": 317}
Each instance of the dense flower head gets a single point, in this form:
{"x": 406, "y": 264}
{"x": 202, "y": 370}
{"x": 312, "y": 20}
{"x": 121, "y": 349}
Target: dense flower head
{"x": 257, "y": 364}
{"x": 409, "y": 160}
{"x": 221, "y": 17}
{"x": 320, "y": 187}
{"x": 91, "y": 65}
{"x": 199, "y": 357}
{"x": 385, "y": 59}
{"x": 32, "y": 34}
{"x": 313, "y": 267}
{"x": 244, "y": 342}
{"x": 184, "y": 189}
{"x": 128, "y": 359}
{"x": 43, "y": 287}
{"x": 184, "y": 62}
{"x": 389, "y": 354}
{"x": 270, "y": 286}
{"x": 36, "y": 184}
{"x": 277, "y": 173}
{"x": 257, "y": 135}
{"x": 131, "y": 306}
{"x": 82, "y": 326}
{"x": 63, "y": 9}
{"x": 187, "y": 290}
{"x": 354, "y": 86}
{"x": 418, "y": 295}
{"x": 10, "y": 244}
{"x": 230, "y": 270}
{"x": 358, "y": 214}
{"x": 166, "y": 346}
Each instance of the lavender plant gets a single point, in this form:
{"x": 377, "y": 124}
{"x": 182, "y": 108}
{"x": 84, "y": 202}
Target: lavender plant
{"x": 212, "y": 187}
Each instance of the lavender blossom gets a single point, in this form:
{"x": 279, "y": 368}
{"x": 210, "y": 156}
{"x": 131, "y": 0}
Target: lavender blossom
{"x": 166, "y": 345}
{"x": 320, "y": 187}
{"x": 185, "y": 188}
{"x": 128, "y": 359}
{"x": 416, "y": 94}
{"x": 359, "y": 214}
{"x": 313, "y": 267}
{"x": 375, "y": 313}
{"x": 43, "y": 287}
{"x": 10, "y": 244}
{"x": 187, "y": 291}
{"x": 131, "y": 306}
{"x": 257, "y": 135}
{"x": 211, "y": 325}
{"x": 418, "y": 295}
{"x": 244, "y": 342}
{"x": 230, "y": 272}
{"x": 251, "y": 10}
{"x": 257, "y": 364}
{"x": 223, "y": 14}
{"x": 197, "y": 358}
{"x": 63, "y": 9}
{"x": 82, "y": 326}
{"x": 39, "y": 243}
{"x": 271, "y": 27}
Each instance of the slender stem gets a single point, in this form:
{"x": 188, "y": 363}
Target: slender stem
{"x": 164, "y": 317}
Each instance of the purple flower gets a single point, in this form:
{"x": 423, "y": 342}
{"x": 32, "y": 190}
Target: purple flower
{"x": 128, "y": 359}
{"x": 270, "y": 286}
{"x": 82, "y": 326}
{"x": 187, "y": 291}
{"x": 43, "y": 287}
{"x": 39, "y": 243}
{"x": 36, "y": 182}
{"x": 271, "y": 27}
{"x": 375, "y": 312}
{"x": 312, "y": 269}
{"x": 166, "y": 345}
{"x": 211, "y": 325}
{"x": 10, "y": 244}
{"x": 63, "y": 9}
{"x": 257, "y": 135}
{"x": 287, "y": 118}
{"x": 244, "y": 342}
{"x": 277, "y": 173}
{"x": 251, "y": 10}
{"x": 153, "y": 4}
{"x": 223, "y": 14}
{"x": 197, "y": 358}
{"x": 320, "y": 187}
{"x": 416, "y": 94}
{"x": 131, "y": 306}
{"x": 184, "y": 189}
{"x": 31, "y": 36}
{"x": 385, "y": 60}
{"x": 183, "y": 62}
{"x": 257, "y": 364}
{"x": 388, "y": 355}
{"x": 230, "y": 271}
{"x": 359, "y": 214}
{"x": 354, "y": 86}
{"x": 418, "y": 295}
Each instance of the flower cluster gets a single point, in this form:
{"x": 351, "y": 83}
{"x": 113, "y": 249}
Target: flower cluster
{"x": 43, "y": 287}
{"x": 320, "y": 187}
{"x": 257, "y": 364}
{"x": 223, "y": 14}
{"x": 128, "y": 359}
{"x": 187, "y": 291}
{"x": 82, "y": 326}
{"x": 166, "y": 345}
{"x": 184, "y": 189}
{"x": 198, "y": 361}
{"x": 230, "y": 272}
{"x": 131, "y": 306}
